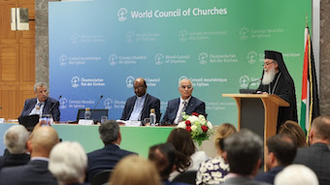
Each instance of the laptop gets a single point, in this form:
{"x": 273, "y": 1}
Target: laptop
{"x": 96, "y": 114}
{"x": 29, "y": 121}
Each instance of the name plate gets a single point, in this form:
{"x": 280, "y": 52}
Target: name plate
{"x": 133, "y": 123}
{"x": 85, "y": 122}
{"x": 2, "y": 120}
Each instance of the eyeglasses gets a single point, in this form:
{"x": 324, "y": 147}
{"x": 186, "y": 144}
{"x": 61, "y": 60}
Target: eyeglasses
{"x": 188, "y": 86}
{"x": 139, "y": 88}
{"x": 267, "y": 64}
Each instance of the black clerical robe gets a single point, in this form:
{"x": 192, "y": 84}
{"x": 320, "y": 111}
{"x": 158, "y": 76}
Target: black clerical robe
{"x": 284, "y": 88}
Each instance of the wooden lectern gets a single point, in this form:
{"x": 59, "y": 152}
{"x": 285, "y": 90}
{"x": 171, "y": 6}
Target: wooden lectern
{"x": 258, "y": 113}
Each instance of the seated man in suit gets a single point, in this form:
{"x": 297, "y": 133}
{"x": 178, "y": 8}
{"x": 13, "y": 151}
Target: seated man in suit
{"x": 107, "y": 157}
{"x": 281, "y": 151}
{"x": 243, "y": 153}
{"x": 42, "y": 104}
{"x": 317, "y": 155}
{"x": 186, "y": 103}
{"x": 138, "y": 107}
{"x": 15, "y": 139}
{"x": 36, "y": 172}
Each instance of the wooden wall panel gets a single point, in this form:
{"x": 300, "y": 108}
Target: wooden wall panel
{"x": 17, "y": 60}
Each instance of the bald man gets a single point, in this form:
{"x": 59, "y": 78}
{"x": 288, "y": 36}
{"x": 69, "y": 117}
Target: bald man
{"x": 36, "y": 172}
{"x": 138, "y": 107}
{"x": 186, "y": 103}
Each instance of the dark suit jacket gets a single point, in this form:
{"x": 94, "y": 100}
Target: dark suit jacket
{"x": 50, "y": 105}
{"x": 35, "y": 172}
{"x": 269, "y": 176}
{"x": 149, "y": 103}
{"x": 242, "y": 181}
{"x": 14, "y": 160}
{"x": 317, "y": 158}
{"x": 194, "y": 105}
{"x": 104, "y": 159}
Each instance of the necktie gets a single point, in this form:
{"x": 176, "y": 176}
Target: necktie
{"x": 183, "y": 109}
{"x": 38, "y": 106}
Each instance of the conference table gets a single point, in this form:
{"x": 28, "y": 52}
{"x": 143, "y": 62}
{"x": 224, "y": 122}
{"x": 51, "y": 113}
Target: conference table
{"x": 136, "y": 139}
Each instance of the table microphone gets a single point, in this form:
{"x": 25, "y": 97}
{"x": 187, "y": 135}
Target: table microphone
{"x": 248, "y": 86}
{"x": 96, "y": 106}
{"x": 50, "y": 110}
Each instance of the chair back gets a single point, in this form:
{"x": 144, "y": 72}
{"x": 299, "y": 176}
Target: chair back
{"x": 101, "y": 178}
{"x": 188, "y": 177}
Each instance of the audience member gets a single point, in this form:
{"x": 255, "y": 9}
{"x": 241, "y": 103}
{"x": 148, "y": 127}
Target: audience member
{"x": 134, "y": 170}
{"x": 15, "y": 139}
{"x": 186, "y": 103}
{"x": 164, "y": 157}
{"x": 293, "y": 130}
{"x": 296, "y": 174}
{"x": 138, "y": 107}
{"x": 317, "y": 156}
{"x": 36, "y": 172}
{"x": 182, "y": 142}
{"x": 107, "y": 157}
{"x": 243, "y": 151}
{"x": 280, "y": 151}
{"x": 42, "y": 104}
{"x": 68, "y": 163}
{"x": 213, "y": 171}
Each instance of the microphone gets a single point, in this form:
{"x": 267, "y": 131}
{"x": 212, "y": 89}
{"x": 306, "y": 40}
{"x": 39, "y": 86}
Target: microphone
{"x": 248, "y": 86}
{"x": 50, "y": 110}
{"x": 96, "y": 106}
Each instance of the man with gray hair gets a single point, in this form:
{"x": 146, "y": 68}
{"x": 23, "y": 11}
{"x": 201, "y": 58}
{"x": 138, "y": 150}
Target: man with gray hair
{"x": 68, "y": 163}
{"x": 15, "y": 139}
{"x": 317, "y": 156}
{"x": 186, "y": 103}
{"x": 107, "y": 157}
{"x": 42, "y": 104}
{"x": 243, "y": 151}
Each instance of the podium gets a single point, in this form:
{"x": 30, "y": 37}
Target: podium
{"x": 258, "y": 113}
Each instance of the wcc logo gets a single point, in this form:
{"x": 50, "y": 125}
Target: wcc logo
{"x": 159, "y": 58}
{"x": 122, "y": 14}
{"x": 244, "y": 33}
{"x": 182, "y": 77}
{"x": 75, "y": 81}
{"x": 130, "y": 81}
{"x": 203, "y": 58}
{"x": 63, "y": 60}
{"x": 252, "y": 57}
{"x": 183, "y": 35}
{"x": 108, "y": 103}
{"x": 244, "y": 81}
{"x": 130, "y": 36}
{"x": 63, "y": 103}
{"x": 112, "y": 59}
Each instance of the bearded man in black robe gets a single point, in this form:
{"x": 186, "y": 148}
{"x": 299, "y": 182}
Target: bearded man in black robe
{"x": 277, "y": 80}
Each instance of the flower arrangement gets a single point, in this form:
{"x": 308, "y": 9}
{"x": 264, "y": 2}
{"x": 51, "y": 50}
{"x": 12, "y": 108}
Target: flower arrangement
{"x": 200, "y": 129}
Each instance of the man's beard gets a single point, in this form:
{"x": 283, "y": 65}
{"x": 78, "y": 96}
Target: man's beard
{"x": 268, "y": 76}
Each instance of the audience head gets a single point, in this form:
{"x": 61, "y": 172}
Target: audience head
{"x": 68, "y": 163}
{"x": 225, "y": 130}
{"x": 42, "y": 140}
{"x": 134, "y": 170}
{"x": 15, "y": 139}
{"x": 109, "y": 132}
{"x": 293, "y": 130}
{"x": 296, "y": 174}
{"x": 181, "y": 140}
{"x": 41, "y": 91}
{"x": 140, "y": 87}
{"x": 243, "y": 152}
{"x": 280, "y": 150}
{"x": 164, "y": 156}
{"x": 320, "y": 131}
{"x": 185, "y": 88}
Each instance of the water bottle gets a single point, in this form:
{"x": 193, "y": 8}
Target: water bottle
{"x": 152, "y": 117}
{"x": 87, "y": 114}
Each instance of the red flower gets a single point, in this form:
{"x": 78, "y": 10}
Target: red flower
{"x": 204, "y": 128}
{"x": 188, "y": 128}
{"x": 188, "y": 123}
{"x": 195, "y": 114}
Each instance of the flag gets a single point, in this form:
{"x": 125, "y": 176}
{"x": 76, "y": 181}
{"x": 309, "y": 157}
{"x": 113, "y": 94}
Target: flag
{"x": 309, "y": 95}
